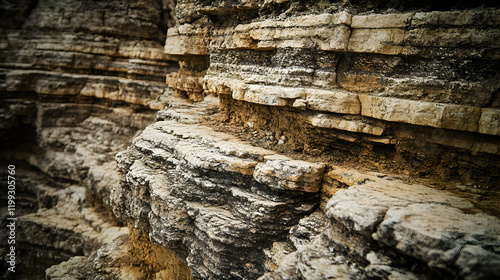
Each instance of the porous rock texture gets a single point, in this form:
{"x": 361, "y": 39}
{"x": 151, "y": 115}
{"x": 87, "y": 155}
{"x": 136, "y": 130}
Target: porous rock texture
{"x": 274, "y": 139}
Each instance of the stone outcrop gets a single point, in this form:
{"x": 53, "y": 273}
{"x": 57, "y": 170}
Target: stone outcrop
{"x": 197, "y": 190}
{"x": 379, "y": 218}
{"x": 407, "y": 91}
{"x": 381, "y": 79}
{"x": 218, "y": 200}
{"x": 95, "y": 62}
{"x": 78, "y": 79}
{"x": 252, "y": 139}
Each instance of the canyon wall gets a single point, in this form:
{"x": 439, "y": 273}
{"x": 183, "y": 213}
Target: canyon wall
{"x": 252, "y": 139}
{"x": 78, "y": 80}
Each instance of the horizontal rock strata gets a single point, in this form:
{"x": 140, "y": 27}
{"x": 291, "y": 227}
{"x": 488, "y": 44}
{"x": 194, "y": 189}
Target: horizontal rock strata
{"x": 391, "y": 88}
{"x": 377, "y": 219}
{"x": 382, "y": 79}
{"x": 218, "y": 200}
{"x": 383, "y": 46}
{"x": 78, "y": 79}
{"x": 293, "y": 139}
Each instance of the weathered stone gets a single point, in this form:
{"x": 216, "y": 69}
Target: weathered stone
{"x": 489, "y": 122}
{"x": 440, "y": 115}
{"x": 111, "y": 88}
{"x": 284, "y": 173}
{"x": 297, "y": 32}
{"x": 393, "y": 89}
{"x": 217, "y": 212}
{"x": 428, "y": 225}
{"x": 380, "y": 266}
{"x": 106, "y": 262}
{"x": 382, "y": 21}
{"x": 187, "y": 39}
{"x": 322, "y": 100}
{"x": 315, "y": 261}
{"x": 335, "y": 101}
{"x": 308, "y": 228}
{"x": 468, "y": 17}
{"x": 276, "y": 254}
{"x": 364, "y": 206}
{"x": 453, "y": 37}
{"x": 384, "y": 41}
{"x": 355, "y": 125}
{"x": 444, "y": 237}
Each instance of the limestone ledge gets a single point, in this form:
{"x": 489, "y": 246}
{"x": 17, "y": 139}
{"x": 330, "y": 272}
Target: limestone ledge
{"x": 449, "y": 116}
{"x": 389, "y": 211}
{"x": 292, "y": 76}
{"x": 439, "y": 115}
{"x": 338, "y": 101}
{"x": 342, "y": 123}
{"x": 489, "y": 123}
{"x": 84, "y": 63}
{"x": 327, "y": 31}
{"x": 187, "y": 39}
{"x": 204, "y": 148}
{"x": 125, "y": 49}
{"x": 146, "y": 93}
{"x": 84, "y": 43}
{"x": 85, "y": 54}
{"x": 374, "y": 212}
{"x": 365, "y": 218}
{"x": 392, "y": 34}
{"x": 345, "y": 73}
{"x": 191, "y": 187}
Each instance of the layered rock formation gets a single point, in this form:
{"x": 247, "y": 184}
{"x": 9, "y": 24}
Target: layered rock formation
{"x": 217, "y": 200}
{"x": 380, "y": 226}
{"x": 233, "y": 211}
{"x": 403, "y": 90}
{"x": 78, "y": 80}
{"x": 292, "y": 139}
{"x": 378, "y": 79}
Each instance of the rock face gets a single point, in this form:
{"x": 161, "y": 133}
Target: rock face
{"x": 218, "y": 200}
{"x": 372, "y": 222}
{"x": 252, "y": 139}
{"x": 65, "y": 67}
{"x": 78, "y": 79}
{"x": 373, "y": 79}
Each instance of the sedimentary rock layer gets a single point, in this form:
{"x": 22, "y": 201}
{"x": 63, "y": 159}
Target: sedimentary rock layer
{"x": 384, "y": 86}
{"x": 217, "y": 200}
{"x": 377, "y": 219}
{"x": 369, "y": 68}
{"x": 78, "y": 79}
{"x": 285, "y": 154}
{"x": 397, "y": 79}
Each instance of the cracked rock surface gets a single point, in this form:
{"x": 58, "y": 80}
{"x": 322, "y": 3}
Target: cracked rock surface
{"x": 252, "y": 139}
{"x": 199, "y": 190}
{"x": 389, "y": 229}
